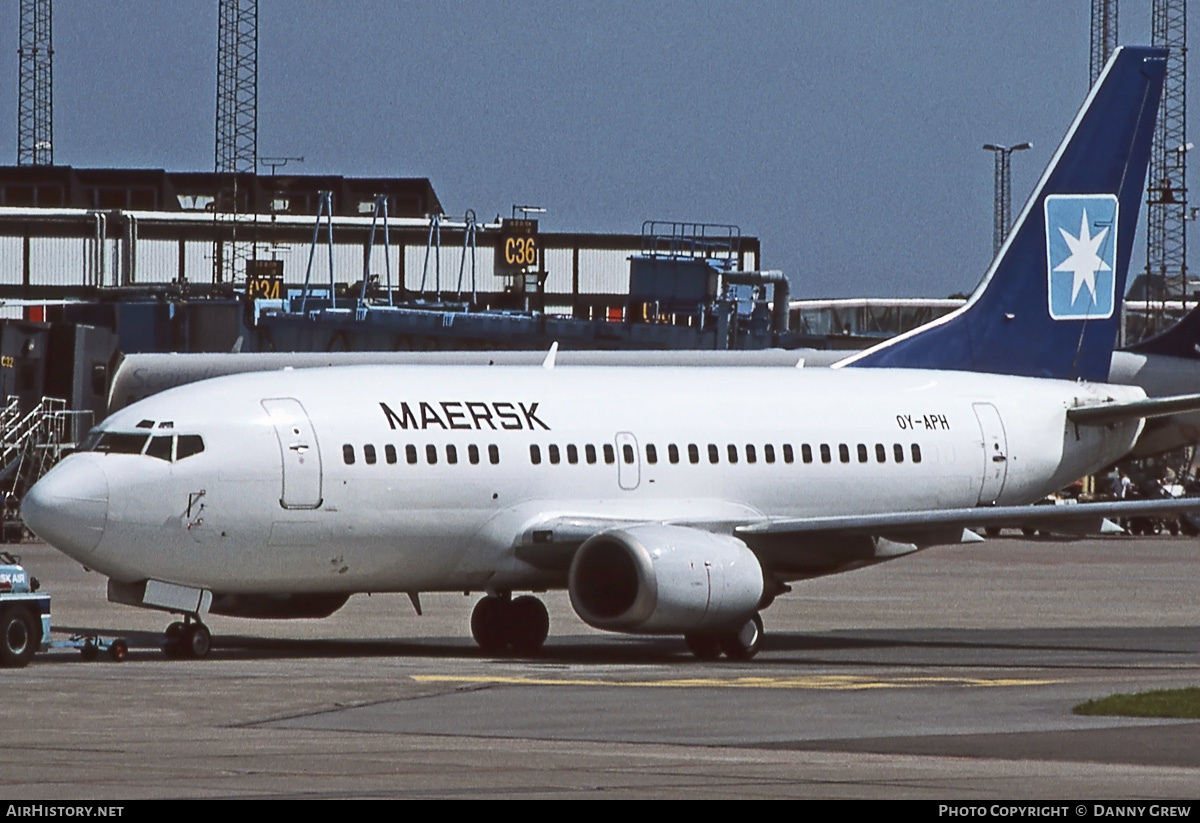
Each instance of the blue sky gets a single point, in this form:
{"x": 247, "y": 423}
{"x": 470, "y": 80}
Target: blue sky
{"x": 847, "y": 136}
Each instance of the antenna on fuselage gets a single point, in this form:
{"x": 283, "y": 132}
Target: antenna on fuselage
{"x": 548, "y": 363}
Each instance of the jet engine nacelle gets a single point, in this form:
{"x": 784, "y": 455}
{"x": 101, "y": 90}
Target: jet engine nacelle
{"x": 664, "y": 580}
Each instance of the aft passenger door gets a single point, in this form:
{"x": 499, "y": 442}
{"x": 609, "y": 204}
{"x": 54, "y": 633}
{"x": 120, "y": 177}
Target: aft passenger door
{"x": 995, "y": 452}
{"x": 299, "y": 453}
{"x": 629, "y": 469}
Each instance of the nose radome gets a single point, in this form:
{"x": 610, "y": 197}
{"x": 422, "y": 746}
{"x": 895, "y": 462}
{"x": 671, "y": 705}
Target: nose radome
{"x": 68, "y": 508}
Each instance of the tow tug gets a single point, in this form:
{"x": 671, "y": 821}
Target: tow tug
{"x": 25, "y": 621}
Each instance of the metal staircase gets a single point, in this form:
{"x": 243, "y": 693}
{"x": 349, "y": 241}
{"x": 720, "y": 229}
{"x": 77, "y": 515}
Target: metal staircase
{"x": 30, "y": 444}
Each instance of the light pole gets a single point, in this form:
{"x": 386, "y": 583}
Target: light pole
{"x": 1003, "y": 198}
{"x": 276, "y": 163}
{"x": 527, "y": 210}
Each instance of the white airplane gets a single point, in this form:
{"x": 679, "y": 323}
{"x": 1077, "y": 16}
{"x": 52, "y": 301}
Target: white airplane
{"x": 666, "y": 501}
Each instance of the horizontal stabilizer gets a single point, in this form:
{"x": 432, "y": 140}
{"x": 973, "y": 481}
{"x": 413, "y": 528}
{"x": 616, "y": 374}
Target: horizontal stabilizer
{"x": 1106, "y": 413}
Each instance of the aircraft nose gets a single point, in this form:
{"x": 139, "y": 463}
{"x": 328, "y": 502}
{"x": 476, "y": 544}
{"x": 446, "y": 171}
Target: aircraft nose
{"x": 68, "y": 508}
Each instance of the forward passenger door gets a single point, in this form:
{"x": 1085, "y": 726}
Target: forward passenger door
{"x": 299, "y": 453}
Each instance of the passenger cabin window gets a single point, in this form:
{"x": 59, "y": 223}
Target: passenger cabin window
{"x": 751, "y": 455}
{"x": 713, "y": 454}
{"x": 789, "y": 456}
{"x": 880, "y": 453}
{"x": 843, "y": 452}
{"x": 769, "y": 453}
{"x": 898, "y": 452}
{"x": 369, "y": 454}
{"x": 589, "y": 452}
{"x": 410, "y": 454}
{"x": 535, "y": 454}
{"x": 627, "y": 453}
{"x": 473, "y": 454}
{"x": 572, "y": 454}
{"x": 389, "y": 454}
{"x": 805, "y": 453}
{"x": 916, "y": 453}
{"x": 826, "y": 457}
{"x": 431, "y": 455}
{"x": 554, "y": 455}
{"x": 693, "y": 453}
{"x": 610, "y": 454}
{"x": 348, "y": 454}
{"x": 731, "y": 450}
{"x": 862, "y": 453}
{"x": 673, "y": 453}
{"x": 451, "y": 454}
{"x": 651, "y": 454}
{"x": 494, "y": 454}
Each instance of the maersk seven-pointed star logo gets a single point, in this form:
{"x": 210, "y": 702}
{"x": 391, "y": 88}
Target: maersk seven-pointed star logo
{"x": 1081, "y": 253}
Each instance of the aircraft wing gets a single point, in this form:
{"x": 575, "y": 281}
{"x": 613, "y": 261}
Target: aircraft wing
{"x": 809, "y": 545}
{"x": 915, "y": 522}
{"x": 1102, "y": 414}
{"x": 813, "y": 546}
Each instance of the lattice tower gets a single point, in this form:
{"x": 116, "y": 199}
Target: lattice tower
{"x": 1166, "y": 195}
{"x": 35, "y": 99}
{"x": 1104, "y": 36}
{"x": 236, "y": 151}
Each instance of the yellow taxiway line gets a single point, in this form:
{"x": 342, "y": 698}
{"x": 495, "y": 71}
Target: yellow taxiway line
{"x": 817, "y": 682}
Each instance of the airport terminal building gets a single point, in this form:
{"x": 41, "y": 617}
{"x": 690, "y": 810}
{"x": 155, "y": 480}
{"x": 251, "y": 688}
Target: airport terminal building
{"x": 68, "y": 233}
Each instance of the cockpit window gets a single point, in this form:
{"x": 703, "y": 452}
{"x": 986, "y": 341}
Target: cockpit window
{"x": 121, "y": 443}
{"x": 160, "y": 447}
{"x": 166, "y": 447}
{"x": 189, "y": 444}
{"x": 89, "y": 443}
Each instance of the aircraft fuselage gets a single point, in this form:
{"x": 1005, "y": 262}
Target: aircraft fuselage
{"x": 385, "y": 478}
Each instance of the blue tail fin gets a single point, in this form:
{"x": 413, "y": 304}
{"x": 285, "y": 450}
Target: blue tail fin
{"x": 1050, "y": 304}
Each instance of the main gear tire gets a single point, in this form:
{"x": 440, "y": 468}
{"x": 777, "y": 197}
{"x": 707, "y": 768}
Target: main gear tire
{"x": 744, "y": 643}
{"x": 489, "y": 624}
{"x": 528, "y": 625}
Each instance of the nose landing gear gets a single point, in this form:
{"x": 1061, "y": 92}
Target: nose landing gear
{"x": 187, "y": 640}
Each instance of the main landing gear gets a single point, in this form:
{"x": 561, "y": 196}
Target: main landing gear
{"x": 741, "y": 644}
{"x": 499, "y": 623}
{"x": 189, "y": 639}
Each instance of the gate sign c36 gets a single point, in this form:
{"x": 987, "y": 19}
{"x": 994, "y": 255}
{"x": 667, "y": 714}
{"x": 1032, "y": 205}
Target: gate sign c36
{"x": 517, "y": 246}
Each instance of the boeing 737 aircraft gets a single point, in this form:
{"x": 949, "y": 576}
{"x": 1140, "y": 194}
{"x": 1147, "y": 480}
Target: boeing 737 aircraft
{"x": 666, "y": 501}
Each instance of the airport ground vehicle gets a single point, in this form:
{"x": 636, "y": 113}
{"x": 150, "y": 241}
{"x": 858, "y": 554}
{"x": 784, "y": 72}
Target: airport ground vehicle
{"x": 24, "y": 614}
{"x": 25, "y": 621}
